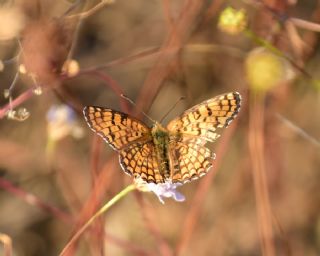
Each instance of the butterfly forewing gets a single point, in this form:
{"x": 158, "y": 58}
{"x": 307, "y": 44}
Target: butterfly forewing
{"x": 117, "y": 128}
{"x": 203, "y": 119}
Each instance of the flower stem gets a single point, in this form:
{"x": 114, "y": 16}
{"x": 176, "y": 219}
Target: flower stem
{"x": 103, "y": 209}
{"x": 264, "y": 43}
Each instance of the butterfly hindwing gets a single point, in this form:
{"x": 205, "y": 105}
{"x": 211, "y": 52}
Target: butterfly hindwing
{"x": 140, "y": 161}
{"x": 190, "y": 159}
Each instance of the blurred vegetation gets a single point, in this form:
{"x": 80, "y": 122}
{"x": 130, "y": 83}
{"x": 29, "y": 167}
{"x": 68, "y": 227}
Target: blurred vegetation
{"x": 262, "y": 196}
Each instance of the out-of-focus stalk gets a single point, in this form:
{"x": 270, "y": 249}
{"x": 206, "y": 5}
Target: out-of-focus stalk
{"x": 256, "y": 147}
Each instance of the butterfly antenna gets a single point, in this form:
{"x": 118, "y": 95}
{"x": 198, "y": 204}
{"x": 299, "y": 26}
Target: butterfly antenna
{"x": 134, "y": 104}
{"x": 175, "y": 104}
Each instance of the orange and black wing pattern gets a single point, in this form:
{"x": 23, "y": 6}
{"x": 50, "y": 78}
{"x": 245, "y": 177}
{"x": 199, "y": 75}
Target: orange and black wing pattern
{"x": 204, "y": 119}
{"x": 140, "y": 161}
{"x": 190, "y": 160}
{"x": 190, "y": 132}
{"x": 116, "y": 128}
{"x": 131, "y": 138}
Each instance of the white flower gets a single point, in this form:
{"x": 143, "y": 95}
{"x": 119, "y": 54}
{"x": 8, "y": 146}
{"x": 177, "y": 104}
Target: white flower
{"x": 161, "y": 190}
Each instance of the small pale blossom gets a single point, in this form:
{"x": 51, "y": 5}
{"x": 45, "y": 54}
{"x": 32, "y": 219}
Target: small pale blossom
{"x": 167, "y": 189}
{"x": 71, "y": 67}
{"x": 62, "y": 122}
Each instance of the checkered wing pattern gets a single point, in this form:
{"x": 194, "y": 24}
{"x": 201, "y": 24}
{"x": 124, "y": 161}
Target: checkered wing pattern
{"x": 118, "y": 129}
{"x": 140, "y": 160}
{"x": 193, "y": 129}
{"x": 130, "y": 137}
{"x": 204, "y": 119}
{"x": 190, "y": 158}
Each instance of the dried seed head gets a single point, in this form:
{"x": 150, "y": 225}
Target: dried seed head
{"x": 45, "y": 46}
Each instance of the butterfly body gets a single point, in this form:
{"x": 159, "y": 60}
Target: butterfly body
{"x": 172, "y": 154}
{"x": 161, "y": 137}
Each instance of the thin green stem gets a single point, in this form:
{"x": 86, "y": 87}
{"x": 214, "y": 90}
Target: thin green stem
{"x": 266, "y": 44}
{"x": 258, "y": 40}
{"x": 102, "y": 210}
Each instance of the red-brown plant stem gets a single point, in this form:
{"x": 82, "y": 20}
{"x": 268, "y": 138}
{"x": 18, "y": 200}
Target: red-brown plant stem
{"x": 256, "y": 148}
{"x": 33, "y": 200}
{"x": 150, "y": 221}
{"x": 167, "y": 14}
{"x": 57, "y": 213}
{"x": 109, "y": 81}
{"x": 193, "y": 215}
{"x": 169, "y": 50}
{"x": 97, "y": 237}
{"x": 211, "y": 11}
{"x": 16, "y": 102}
{"x": 97, "y": 194}
{"x": 130, "y": 247}
{"x": 74, "y": 238}
{"x": 112, "y": 84}
{"x": 96, "y": 147}
{"x": 144, "y": 55}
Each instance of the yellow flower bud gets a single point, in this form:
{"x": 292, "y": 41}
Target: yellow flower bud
{"x": 233, "y": 21}
{"x": 264, "y": 69}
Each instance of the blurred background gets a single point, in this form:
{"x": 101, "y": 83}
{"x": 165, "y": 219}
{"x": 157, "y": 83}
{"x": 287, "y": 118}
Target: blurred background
{"x": 262, "y": 196}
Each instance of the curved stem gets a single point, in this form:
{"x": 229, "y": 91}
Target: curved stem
{"x": 102, "y": 210}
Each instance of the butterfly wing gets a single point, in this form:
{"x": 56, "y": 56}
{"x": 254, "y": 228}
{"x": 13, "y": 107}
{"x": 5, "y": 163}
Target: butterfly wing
{"x": 205, "y": 118}
{"x": 190, "y": 159}
{"x": 140, "y": 160}
{"x": 118, "y": 129}
{"x": 193, "y": 129}
{"x": 130, "y": 137}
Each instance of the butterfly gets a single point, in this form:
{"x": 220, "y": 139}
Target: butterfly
{"x": 173, "y": 154}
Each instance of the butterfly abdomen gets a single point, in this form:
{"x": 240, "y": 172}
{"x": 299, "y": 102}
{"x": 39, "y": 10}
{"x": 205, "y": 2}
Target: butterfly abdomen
{"x": 161, "y": 141}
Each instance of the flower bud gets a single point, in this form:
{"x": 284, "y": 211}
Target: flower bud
{"x": 265, "y": 70}
{"x": 233, "y": 21}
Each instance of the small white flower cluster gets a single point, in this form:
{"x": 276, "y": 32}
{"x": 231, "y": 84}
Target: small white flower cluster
{"x": 167, "y": 189}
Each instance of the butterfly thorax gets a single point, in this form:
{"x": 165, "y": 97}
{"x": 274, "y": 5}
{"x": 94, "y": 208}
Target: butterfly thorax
{"x": 160, "y": 136}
